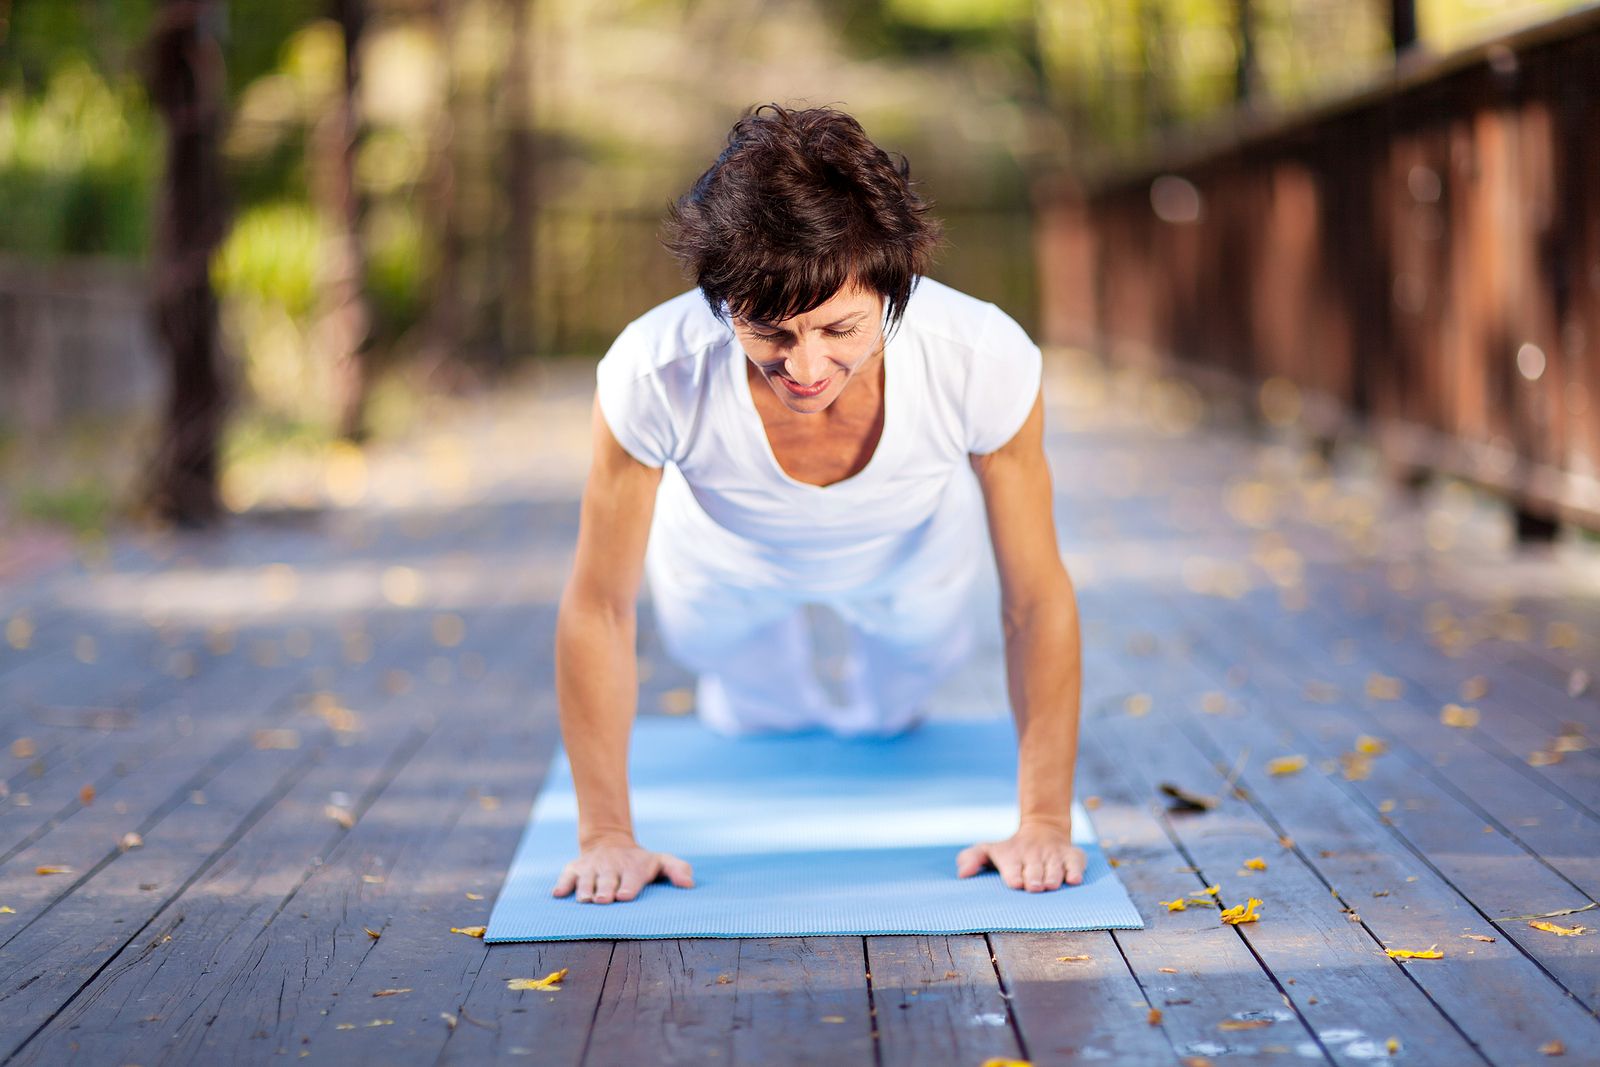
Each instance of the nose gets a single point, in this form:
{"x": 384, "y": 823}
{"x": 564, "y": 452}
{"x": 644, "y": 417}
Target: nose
{"x": 807, "y": 362}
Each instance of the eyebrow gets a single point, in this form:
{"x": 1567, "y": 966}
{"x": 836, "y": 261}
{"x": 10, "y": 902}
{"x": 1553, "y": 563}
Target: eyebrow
{"x": 857, "y": 315}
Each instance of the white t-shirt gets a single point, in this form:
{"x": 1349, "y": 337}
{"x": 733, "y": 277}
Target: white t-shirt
{"x": 960, "y": 377}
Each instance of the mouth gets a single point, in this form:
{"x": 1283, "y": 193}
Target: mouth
{"x": 797, "y": 389}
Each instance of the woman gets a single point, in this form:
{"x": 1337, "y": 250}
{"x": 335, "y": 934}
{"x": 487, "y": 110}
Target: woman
{"x": 816, "y": 423}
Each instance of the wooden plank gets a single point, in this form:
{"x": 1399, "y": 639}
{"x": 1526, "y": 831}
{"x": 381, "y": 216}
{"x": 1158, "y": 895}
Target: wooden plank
{"x": 938, "y": 1000}
{"x": 1366, "y": 862}
{"x": 1333, "y": 974}
{"x": 295, "y": 876}
{"x": 1194, "y": 975}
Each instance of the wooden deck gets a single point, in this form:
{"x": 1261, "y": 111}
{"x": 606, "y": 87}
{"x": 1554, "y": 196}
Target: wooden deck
{"x": 327, "y": 732}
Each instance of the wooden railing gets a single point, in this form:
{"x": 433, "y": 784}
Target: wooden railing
{"x": 1422, "y": 259}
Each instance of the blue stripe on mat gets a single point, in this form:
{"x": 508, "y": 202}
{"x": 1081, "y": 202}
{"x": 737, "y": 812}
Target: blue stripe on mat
{"x": 807, "y": 834}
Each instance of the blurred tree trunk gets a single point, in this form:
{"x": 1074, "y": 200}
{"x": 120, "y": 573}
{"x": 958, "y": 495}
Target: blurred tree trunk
{"x": 345, "y": 321}
{"x": 521, "y": 195}
{"x": 1403, "y": 25}
{"x": 186, "y": 82}
{"x": 442, "y": 329}
{"x": 1247, "y": 73}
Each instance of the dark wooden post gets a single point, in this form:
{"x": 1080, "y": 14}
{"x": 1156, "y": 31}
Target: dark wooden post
{"x": 185, "y": 76}
{"x": 1402, "y": 25}
{"x": 346, "y": 318}
{"x": 521, "y": 194}
{"x": 1247, "y": 73}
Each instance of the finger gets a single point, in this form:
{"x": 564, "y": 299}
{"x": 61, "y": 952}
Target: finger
{"x": 1053, "y": 870}
{"x": 605, "y": 886}
{"x": 585, "y": 886}
{"x": 633, "y": 880}
{"x": 1077, "y": 862}
{"x": 565, "y": 884}
{"x": 678, "y": 872}
{"x": 971, "y": 860}
{"x": 1033, "y": 874}
{"x": 1010, "y": 870}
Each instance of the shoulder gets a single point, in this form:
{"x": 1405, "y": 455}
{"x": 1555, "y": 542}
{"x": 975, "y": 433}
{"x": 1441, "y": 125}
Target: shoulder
{"x": 984, "y": 361}
{"x": 674, "y": 337}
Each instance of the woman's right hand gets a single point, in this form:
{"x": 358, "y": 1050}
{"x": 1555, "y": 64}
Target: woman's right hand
{"x": 617, "y": 869}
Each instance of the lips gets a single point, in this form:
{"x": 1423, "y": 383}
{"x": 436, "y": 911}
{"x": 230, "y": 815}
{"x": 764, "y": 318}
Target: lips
{"x": 805, "y": 390}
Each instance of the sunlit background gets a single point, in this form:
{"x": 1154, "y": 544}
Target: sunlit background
{"x": 510, "y": 162}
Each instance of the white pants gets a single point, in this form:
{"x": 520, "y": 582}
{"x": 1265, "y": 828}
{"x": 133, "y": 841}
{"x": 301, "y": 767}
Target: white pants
{"x": 752, "y": 649}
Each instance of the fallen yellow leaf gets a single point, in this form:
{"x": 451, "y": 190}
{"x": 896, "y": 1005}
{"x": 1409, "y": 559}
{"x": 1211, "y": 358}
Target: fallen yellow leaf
{"x": 993, "y": 1061}
{"x": 276, "y": 739}
{"x": 1371, "y": 746}
{"x": 1564, "y": 931}
{"x": 549, "y": 981}
{"x": 1256, "y": 864}
{"x": 1463, "y": 718}
{"x": 1429, "y": 953}
{"x": 1392, "y": 1045}
{"x": 52, "y": 870}
{"x": 24, "y": 748}
{"x": 1211, "y": 890}
{"x": 1383, "y": 687}
{"x": 833, "y": 1018}
{"x": 1154, "y": 1018}
{"x": 372, "y": 933}
{"x": 1286, "y": 765}
{"x": 1073, "y": 959}
{"x": 1553, "y": 1048}
{"x": 470, "y": 931}
{"x": 391, "y": 992}
{"x": 6, "y": 909}
{"x": 1241, "y": 913}
{"x": 1243, "y": 1024}
{"x": 1167, "y": 970}
{"x": 1173, "y": 905}
{"x": 474, "y": 896}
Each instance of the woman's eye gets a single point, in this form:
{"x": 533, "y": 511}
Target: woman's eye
{"x": 851, "y": 332}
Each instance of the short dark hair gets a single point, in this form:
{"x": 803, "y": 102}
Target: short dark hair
{"x": 800, "y": 203}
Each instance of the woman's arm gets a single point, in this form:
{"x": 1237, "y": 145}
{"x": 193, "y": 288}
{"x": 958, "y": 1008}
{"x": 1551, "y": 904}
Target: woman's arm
{"x": 597, "y": 673}
{"x": 1043, "y": 661}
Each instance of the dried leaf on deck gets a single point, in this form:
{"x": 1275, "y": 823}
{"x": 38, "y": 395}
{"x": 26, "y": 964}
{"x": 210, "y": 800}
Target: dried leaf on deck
{"x": 1256, "y": 863}
{"x": 1241, "y": 913}
{"x": 1073, "y": 959}
{"x": 1553, "y": 1048}
{"x": 549, "y": 981}
{"x": 1173, "y": 905}
{"x": 474, "y": 896}
{"x": 1185, "y": 800}
{"x": 6, "y": 909}
{"x": 342, "y": 816}
{"x": 1479, "y": 937}
{"x": 52, "y": 870}
{"x": 1368, "y": 745}
{"x": 470, "y": 931}
{"x": 1463, "y": 718}
{"x": 1154, "y": 1018}
{"x": 372, "y": 933}
{"x": 1286, "y": 765}
{"x": 1243, "y": 1024}
{"x": 1383, "y": 687}
{"x": 1563, "y": 931}
{"x": 276, "y": 739}
{"x": 1430, "y": 953}
{"x": 391, "y": 992}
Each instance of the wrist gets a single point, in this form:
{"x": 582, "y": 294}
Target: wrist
{"x": 588, "y": 839}
{"x": 1061, "y": 822}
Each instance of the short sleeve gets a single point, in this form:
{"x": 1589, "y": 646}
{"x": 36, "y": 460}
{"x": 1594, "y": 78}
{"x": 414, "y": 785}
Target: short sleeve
{"x": 633, "y": 401}
{"x": 1002, "y": 383}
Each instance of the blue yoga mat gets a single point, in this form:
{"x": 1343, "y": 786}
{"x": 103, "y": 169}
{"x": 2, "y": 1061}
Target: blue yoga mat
{"x": 807, "y": 834}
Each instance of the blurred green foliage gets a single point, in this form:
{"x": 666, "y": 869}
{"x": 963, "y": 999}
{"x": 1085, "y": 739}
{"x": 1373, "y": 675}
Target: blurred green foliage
{"x": 78, "y": 162}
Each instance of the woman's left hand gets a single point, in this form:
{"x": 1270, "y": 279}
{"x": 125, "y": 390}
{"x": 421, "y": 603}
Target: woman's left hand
{"x": 1039, "y": 856}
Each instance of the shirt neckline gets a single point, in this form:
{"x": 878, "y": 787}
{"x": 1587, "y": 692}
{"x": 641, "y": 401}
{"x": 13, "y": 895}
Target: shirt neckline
{"x": 751, "y": 416}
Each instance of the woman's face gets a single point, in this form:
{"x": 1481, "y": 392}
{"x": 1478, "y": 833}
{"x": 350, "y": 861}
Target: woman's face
{"x": 810, "y": 358}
